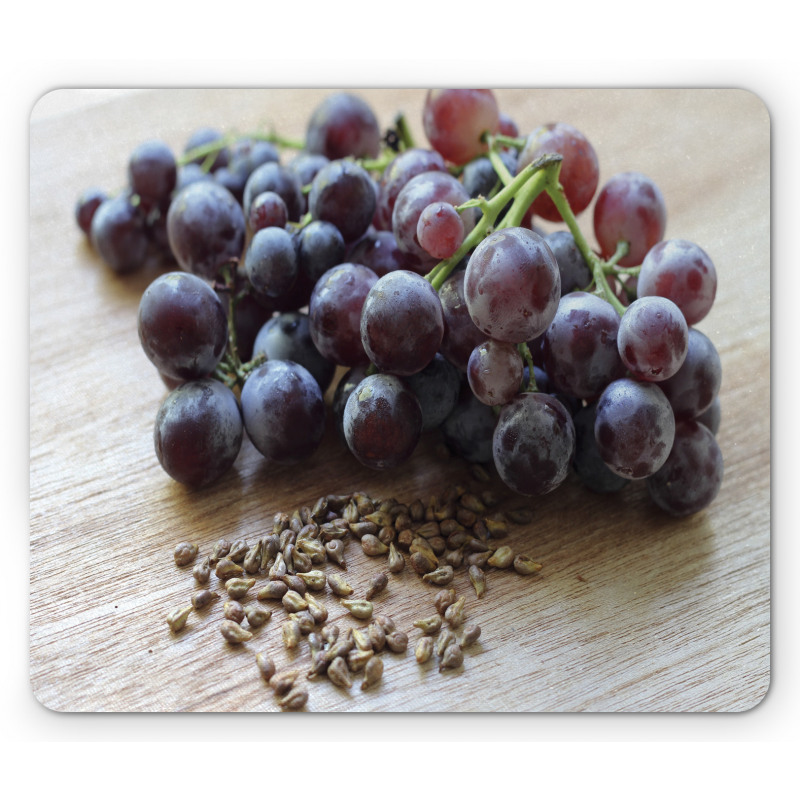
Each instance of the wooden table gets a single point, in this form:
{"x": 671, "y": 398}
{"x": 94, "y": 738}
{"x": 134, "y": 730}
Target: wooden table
{"x": 632, "y": 611}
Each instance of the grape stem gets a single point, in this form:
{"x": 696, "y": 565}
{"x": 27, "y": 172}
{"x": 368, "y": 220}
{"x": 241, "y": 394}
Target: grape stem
{"x": 525, "y": 352}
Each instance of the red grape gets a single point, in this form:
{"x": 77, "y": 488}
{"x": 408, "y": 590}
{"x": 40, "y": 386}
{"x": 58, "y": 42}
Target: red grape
{"x": 440, "y": 230}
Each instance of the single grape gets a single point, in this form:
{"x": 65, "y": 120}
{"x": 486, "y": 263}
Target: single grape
{"x": 274, "y": 177}
{"x": 507, "y": 126}
{"x": 246, "y": 155}
{"x": 479, "y": 176}
{"x": 691, "y": 477}
{"x": 206, "y": 228}
{"x": 712, "y": 416}
{"x": 320, "y": 247}
{"x": 455, "y": 121}
{"x": 268, "y": 210}
{"x": 653, "y": 338}
{"x": 440, "y": 230}
{"x": 378, "y": 250}
{"x": 207, "y": 136}
{"x": 579, "y": 348}
{"x": 343, "y": 194}
{"x": 152, "y": 173}
{"x": 461, "y": 335}
{"x": 437, "y": 388}
{"x": 397, "y": 174}
{"x": 587, "y": 462}
{"x": 575, "y": 272}
{"x": 286, "y": 337}
{"x": 494, "y": 372}
{"x": 306, "y": 166}
{"x": 87, "y": 204}
{"x": 692, "y": 389}
{"x": 191, "y": 173}
{"x": 469, "y": 429}
{"x": 342, "y": 125}
{"x": 270, "y": 262}
{"x": 119, "y": 235}
{"x": 512, "y": 285}
{"x": 630, "y": 208}
{"x": 284, "y": 412}
{"x": 344, "y": 389}
{"x": 382, "y": 421}
{"x": 634, "y": 428}
{"x": 335, "y": 313}
{"x": 533, "y": 444}
{"x": 198, "y": 432}
{"x": 682, "y": 272}
{"x": 183, "y": 328}
{"x": 401, "y": 323}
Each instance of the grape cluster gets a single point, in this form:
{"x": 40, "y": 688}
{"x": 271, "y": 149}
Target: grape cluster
{"x": 420, "y": 273}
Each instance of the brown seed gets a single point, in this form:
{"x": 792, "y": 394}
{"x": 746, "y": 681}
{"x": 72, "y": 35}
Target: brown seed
{"x": 395, "y": 562}
{"x": 364, "y": 503}
{"x": 444, "y": 599}
{"x": 176, "y": 618}
{"x": 291, "y": 634}
{"x": 455, "y": 558}
{"x": 219, "y": 551}
{"x": 498, "y": 528}
{"x": 339, "y": 586}
{"x": 295, "y": 700}
{"x": 304, "y": 621}
{"x": 233, "y": 610}
{"x": 269, "y": 549}
{"x": 477, "y": 545}
{"x": 361, "y": 638}
{"x": 466, "y": 518}
{"x": 301, "y": 562}
{"x": 404, "y": 539}
{"x": 429, "y": 529}
{"x": 377, "y": 636}
{"x": 293, "y": 601}
{"x": 457, "y": 540}
{"x": 252, "y": 561}
{"x": 441, "y": 576}
{"x": 288, "y": 558}
{"x": 234, "y": 633}
{"x": 185, "y": 553}
{"x": 438, "y": 545}
{"x": 266, "y": 666}
{"x": 281, "y": 682}
{"x": 294, "y": 583}
{"x": 397, "y": 641}
{"x": 356, "y": 659}
{"x": 202, "y": 570}
{"x": 386, "y": 622}
{"x": 490, "y": 498}
{"x": 502, "y": 558}
{"x": 202, "y": 598}
{"x": 227, "y": 569}
{"x": 363, "y": 528}
{"x": 450, "y": 526}
{"x": 280, "y": 522}
{"x": 341, "y": 647}
{"x": 477, "y": 577}
{"x": 339, "y": 673}
{"x": 471, "y": 634}
{"x": 472, "y": 503}
{"x": 402, "y": 521}
{"x": 525, "y": 565}
{"x": 329, "y": 633}
{"x": 373, "y": 672}
{"x": 383, "y": 519}
{"x": 334, "y": 551}
{"x": 318, "y": 611}
{"x": 422, "y": 563}
{"x": 416, "y": 511}
{"x": 376, "y": 585}
{"x": 452, "y": 657}
{"x": 272, "y": 590}
{"x": 424, "y": 649}
{"x": 454, "y": 615}
{"x": 313, "y": 548}
{"x": 429, "y": 624}
{"x": 237, "y": 588}
{"x": 446, "y": 638}
{"x": 480, "y": 474}
{"x": 256, "y": 615}
{"x": 314, "y": 579}
{"x": 238, "y": 550}
{"x": 520, "y": 516}
{"x": 278, "y": 568}
{"x": 360, "y": 609}
{"x": 373, "y": 546}
{"x": 320, "y": 510}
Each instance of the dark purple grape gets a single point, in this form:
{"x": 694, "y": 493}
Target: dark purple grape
{"x": 653, "y": 338}
{"x": 267, "y": 211}
{"x": 512, "y": 285}
{"x": 469, "y": 429}
{"x": 343, "y": 194}
{"x": 270, "y": 262}
{"x": 533, "y": 445}
{"x": 191, "y": 173}
{"x": 587, "y": 462}
{"x": 273, "y": 177}
{"x": 437, "y": 388}
{"x": 335, "y": 313}
{"x": 494, "y": 372}
{"x": 183, "y": 328}
{"x": 634, "y": 428}
{"x": 630, "y": 208}
{"x": 87, "y": 204}
{"x": 206, "y": 228}
{"x": 398, "y": 173}
{"x": 118, "y": 234}
{"x": 203, "y": 137}
{"x": 579, "y": 348}
{"x": 378, "y": 250}
{"x": 682, "y": 272}
{"x": 382, "y": 421}
{"x": 246, "y": 155}
{"x": 455, "y": 121}
{"x": 579, "y": 173}
{"x": 415, "y": 196}
{"x": 461, "y": 335}
{"x": 575, "y": 272}
{"x": 691, "y": 477}
{"x": 320, "y": 247}
{"x": 692, "y": 389}
{"x": 152, "y": 173}
{"x": 249, "y": 317}
{"x": 343, "y": 390}
{"x": 198, "y": 432}
{"x": 401, "y": 323}
{"x": 712, "y": 416}
{"x": 440, "y": 230}
{"x": 284, "y": 412}
{"x": 479, "y": 176}
{"x": 306, "y": 166}
{"x": 342, "y": 125}
{"x": 286, "y": 337}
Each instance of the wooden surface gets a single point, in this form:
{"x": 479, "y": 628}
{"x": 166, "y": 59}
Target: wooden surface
{"x": 632, "y": 611}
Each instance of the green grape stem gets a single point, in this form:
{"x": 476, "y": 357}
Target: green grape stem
{"x": 525, "y": 352}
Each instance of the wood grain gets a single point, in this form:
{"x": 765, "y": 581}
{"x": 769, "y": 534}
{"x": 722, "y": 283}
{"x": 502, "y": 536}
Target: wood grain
{"x": 633, "y": 611}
